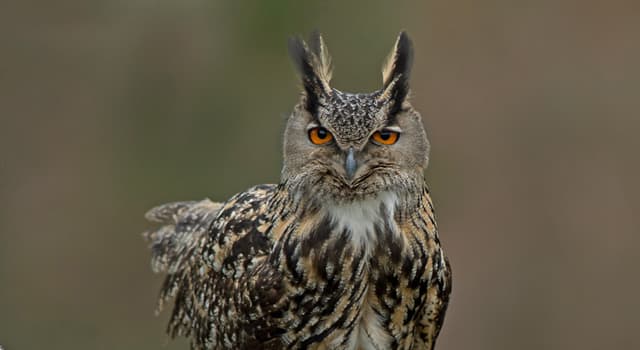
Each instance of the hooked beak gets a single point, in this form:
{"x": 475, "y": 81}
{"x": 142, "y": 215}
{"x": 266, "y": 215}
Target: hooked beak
{"x": 350, "y": 164}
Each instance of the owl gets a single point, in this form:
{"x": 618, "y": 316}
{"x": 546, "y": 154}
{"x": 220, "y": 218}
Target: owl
{"x": 343, "y": 253}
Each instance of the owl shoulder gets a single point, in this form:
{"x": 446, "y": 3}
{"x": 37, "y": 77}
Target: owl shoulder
{"x": 239, "y": 232}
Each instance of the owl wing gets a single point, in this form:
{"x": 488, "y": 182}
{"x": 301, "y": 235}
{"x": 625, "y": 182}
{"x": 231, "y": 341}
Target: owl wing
{"x": 207, "y": 250}
{"x": 184, "y": 226}
{"x": 432, "y": 315}
{"x": 177, "y": 243}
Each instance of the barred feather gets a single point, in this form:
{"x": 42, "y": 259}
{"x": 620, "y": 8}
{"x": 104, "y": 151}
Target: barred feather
{"x": 184, "y": 226}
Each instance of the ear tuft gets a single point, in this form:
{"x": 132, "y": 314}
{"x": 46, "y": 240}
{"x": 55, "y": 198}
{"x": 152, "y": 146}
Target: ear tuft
{"x": 321, "y": 52}
{"x": 314, "y": 66}
{"x": 397, "y": 70}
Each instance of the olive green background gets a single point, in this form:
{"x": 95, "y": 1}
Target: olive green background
{"x": 110, "y": 107}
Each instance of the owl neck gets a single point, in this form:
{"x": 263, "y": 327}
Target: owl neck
{"x": 358, "y": 226}
{"x": 363, "y": 221}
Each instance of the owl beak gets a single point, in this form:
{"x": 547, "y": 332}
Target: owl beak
{"x": 350, "y": 165}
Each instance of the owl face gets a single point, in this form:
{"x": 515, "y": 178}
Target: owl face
{"x": 342, "y": 146}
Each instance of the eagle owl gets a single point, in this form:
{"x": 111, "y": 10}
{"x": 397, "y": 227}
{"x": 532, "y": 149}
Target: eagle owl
{"x": 343, "y": 253}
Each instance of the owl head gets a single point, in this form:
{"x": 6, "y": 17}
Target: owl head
{"x": 348, "y": 146}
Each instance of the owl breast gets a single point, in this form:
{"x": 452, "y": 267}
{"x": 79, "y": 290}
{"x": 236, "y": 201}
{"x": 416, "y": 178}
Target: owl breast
{"x": 367, "y": 223}
{"x": 340, "y": 270}
{"x": 358, "y": 273}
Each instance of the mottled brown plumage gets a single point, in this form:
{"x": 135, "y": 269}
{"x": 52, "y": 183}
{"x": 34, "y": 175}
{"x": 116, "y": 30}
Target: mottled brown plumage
{"x": 342, "y": 254}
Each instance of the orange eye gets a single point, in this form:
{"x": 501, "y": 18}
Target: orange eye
{"x": 385, "y": 137}
{"x": 320, "y": 136}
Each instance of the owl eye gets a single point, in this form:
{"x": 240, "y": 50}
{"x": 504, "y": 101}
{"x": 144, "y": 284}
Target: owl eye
{"x": 385, "y": 137}
{"x": 320, "y": 136}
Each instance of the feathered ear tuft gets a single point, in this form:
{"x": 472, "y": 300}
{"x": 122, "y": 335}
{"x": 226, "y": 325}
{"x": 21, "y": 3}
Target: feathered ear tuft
{"x": 322, "y": 54}
{"x": 314, "y": 66}
{"x": 396, "y": 72}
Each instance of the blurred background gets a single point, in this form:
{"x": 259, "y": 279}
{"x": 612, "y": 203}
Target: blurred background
{"x": 110, "y": 107}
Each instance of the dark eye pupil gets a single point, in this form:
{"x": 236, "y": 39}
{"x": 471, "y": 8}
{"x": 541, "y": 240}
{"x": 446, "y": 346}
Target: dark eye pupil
{"x": 322, "y": 133}
{"x": 385, "y": 135}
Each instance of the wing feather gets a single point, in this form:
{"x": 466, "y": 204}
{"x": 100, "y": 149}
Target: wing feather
{"x": 185, "y": 225}
{"x": 208, "y": 251}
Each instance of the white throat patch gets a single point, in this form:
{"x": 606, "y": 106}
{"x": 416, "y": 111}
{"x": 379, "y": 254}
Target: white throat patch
{"x": 359, "y": 218}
